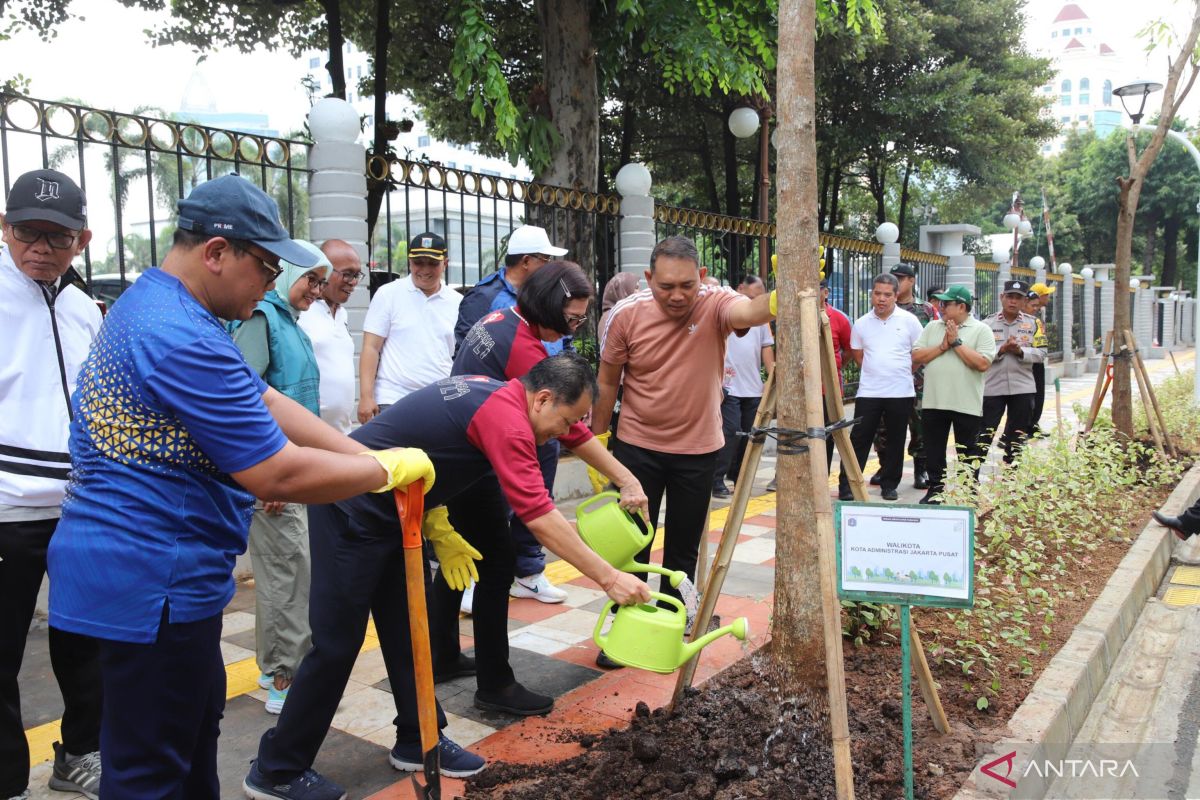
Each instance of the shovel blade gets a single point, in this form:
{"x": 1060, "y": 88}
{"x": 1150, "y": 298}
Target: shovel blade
{"x": 432, "y": 790}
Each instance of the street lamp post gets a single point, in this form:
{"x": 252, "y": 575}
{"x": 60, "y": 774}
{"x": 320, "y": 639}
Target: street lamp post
{"x": 743, "y": 123}
{"x": 1016, "y": 222}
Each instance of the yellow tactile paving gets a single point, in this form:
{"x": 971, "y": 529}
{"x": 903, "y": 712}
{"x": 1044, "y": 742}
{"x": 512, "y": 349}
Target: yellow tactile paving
{"x": 1186, "y": 576}
{"x": 1178, "y": 596}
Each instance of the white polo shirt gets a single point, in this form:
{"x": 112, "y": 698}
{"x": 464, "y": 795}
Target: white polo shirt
{"x": 887, "y": 346}
{"x": 334, "y": 349}
{"x": 419, "y": 334}
{"x": 743, "y": 361}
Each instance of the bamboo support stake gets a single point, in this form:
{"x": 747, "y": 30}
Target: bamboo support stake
{"x": 1142, "y": 389}
{"x": 1101, "y": 383}
{"x": 729, "y": 535}
{"x": 1153, "y": 412}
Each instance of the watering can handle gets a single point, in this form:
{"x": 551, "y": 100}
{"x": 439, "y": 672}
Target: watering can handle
{"x": 596, "y": 637}
{"x": 582, "y": 507}
{"x": 671, "y": 600}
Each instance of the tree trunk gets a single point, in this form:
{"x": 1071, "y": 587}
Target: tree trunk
{"x": 834, "y": 197}
{"x": 823, "y": 195}
{"x": 806, "y": 610}
{"x": 569, "y": 75}
{"x": 376, "y": 189}
{"x": 876, "y": 182}
{"x": 733, "y": 195}
{"x": 335, "y": 67}
{"x": 1171, "y": 228}
{"x": 902, "y": 217}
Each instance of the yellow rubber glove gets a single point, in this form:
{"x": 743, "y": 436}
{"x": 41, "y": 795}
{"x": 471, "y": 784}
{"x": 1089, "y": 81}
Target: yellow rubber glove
{"x": 598, "y": 480}
{"x": 774, "y": 304}
{"x": 456, "y": 557}
{"x": 403, "y": 466}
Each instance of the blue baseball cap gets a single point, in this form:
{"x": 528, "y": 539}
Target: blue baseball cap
{"x": 235, "y": 208}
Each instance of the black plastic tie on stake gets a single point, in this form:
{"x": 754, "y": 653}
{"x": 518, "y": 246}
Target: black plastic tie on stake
{"x": 789, "y": 439}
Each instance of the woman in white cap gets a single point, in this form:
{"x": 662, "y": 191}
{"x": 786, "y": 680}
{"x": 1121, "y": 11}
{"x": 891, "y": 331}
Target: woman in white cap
{"x": 280, "y": 352}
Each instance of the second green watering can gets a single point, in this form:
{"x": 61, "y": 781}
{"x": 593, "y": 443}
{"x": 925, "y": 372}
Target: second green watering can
{"x": 617, "y": 536}
{"x": 651, "y": 637}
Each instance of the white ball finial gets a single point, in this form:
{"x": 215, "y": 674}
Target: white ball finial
{"x": 1135, "y": 284}
{"x": 1064, "y": 269}
{"x": 743, "y": 122}
{"x": 332, "y": 119}
{"x": 1037, "y": 262}
{"x": 1087, "y": 273}
{"x": 633, "y": 180}
{"x": 1012, "y": 220}
{"x": 1026, "y": 228}
{"x": 887, "y": 233}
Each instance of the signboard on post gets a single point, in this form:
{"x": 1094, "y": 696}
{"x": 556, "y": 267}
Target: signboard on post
{"x": 906, "y": 554}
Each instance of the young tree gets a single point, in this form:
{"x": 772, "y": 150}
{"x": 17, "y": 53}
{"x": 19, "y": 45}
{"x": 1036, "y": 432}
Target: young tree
{"x": 1177, "y": 88}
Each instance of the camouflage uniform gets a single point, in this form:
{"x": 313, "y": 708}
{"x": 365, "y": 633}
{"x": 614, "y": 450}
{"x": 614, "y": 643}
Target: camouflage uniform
{"x": 924, "y": 313}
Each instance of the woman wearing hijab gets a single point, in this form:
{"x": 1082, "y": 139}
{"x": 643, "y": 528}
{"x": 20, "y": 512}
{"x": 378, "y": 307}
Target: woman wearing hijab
{"x": 280, "y": 352}
{"x": 619, "y": 287}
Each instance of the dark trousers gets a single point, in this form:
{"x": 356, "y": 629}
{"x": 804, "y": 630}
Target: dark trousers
{"x": 916, "y": 437}
{"x": 356, "y": 571}
{"x": 165, "y": 702}
{"x": 480, "y": 515}
{"x": 527, "y": 550}
{"x": 938, "y": 423}
{"x": 1039, "y": 396}
{"x": 1019, "y": 411}
{"x": 1191, "y": 518}
{"x": 737, "y": 415}
{"x": 870, "y": 411}
{"x": 74, "y": 658}
{"x": 686, "y": 481}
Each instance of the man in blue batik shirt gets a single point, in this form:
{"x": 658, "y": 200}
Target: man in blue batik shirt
{"x": 173, "y": 437}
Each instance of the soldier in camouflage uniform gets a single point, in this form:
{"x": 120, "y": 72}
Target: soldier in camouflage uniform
{"x": 908, "y": 300}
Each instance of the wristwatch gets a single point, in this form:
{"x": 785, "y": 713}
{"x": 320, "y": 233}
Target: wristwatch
{"x": 956, "y": 343}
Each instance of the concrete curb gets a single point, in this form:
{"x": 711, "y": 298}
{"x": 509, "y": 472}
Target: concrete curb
{"x": 1047, "y": 722}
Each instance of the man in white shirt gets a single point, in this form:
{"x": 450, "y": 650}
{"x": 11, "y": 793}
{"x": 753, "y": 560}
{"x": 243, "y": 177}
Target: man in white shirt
{"x": 745, "y": 356}
{"x": 881, "y": 341}
{"x": 408, "y": 336}
{"x": 327, "y": 326}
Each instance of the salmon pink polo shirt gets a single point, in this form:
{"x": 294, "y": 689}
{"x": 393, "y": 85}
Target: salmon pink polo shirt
{"x": 673, "y": 369}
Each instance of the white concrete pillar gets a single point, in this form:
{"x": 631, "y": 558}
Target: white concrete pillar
{"x": 947, "y": 240}
{"x": 1106, "y": 298}
{"x": 337, "y": 193}
{"x": 888, "y": 235}
{"x": 1090, "y": 358}
{"x": 637, "y": 238}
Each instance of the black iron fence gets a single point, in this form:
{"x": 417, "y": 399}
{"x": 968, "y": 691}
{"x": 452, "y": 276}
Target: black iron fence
{"x": 730, "y": 247}
{"x": 1078, "y": 327}
{"x": 134, "y": 167}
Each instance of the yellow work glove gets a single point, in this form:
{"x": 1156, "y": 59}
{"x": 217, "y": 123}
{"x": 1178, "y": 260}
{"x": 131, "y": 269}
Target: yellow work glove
{"x": 598, "y": 480}
{"x": 456, "y": 557}
{"x": 403, "y": 466}
{"x": 774, "y": 304}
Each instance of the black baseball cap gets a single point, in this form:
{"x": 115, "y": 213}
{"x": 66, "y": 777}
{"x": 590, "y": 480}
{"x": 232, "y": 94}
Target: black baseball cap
{"x": 1015, "y": 287}
{"x": 907, "y": 270}
{"x": 429, "y": 245}
{"x": 47, "y": 195}
{"x": 235, "y": 208}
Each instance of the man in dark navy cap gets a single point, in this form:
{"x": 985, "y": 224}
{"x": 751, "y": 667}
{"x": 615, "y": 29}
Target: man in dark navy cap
{"x": 173, "y": 437}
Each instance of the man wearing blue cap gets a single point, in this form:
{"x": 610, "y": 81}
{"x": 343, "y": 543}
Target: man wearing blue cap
{"x": 173, "y": 437}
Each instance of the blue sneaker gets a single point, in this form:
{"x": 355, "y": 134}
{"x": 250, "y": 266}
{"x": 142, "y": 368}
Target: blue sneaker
{"x": 265, "y": 681}
{"x": 276, "y": 699}
{"x": 308, "y": 785}
{"x": 455, "y": 761}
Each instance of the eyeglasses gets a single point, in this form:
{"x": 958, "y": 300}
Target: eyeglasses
{"x": 348, "y": 276}
{"x": 575, "y": 320}
{"x": 315, "y": 281}
{"x": 540, "y": 257}
{"x": 270, "y": 270}
{"x": 58, "y": 241}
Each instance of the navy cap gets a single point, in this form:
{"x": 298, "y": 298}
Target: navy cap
{"x": 907, "y": 270}
{"x": 428, "y": 245}
{"x": 46, "y": 195}
{"x": 235, "y": 208}
{"x": 1015, "y": 287}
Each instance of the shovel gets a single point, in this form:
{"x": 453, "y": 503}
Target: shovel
{"x": 410, "y": 506}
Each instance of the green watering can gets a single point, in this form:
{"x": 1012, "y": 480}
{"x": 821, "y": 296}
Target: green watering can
{"x": 651, "y": 637}
{"x": 617, "y": 536}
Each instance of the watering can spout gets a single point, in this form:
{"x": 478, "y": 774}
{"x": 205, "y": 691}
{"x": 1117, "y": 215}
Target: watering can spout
{"x": 739, "y": 628}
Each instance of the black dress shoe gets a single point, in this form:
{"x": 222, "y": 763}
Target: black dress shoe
{"x": 463, "y": 665}
{"x": 921, "y": 479}
{"x": 514, "y": 699}
{"x": 846, "y": 495}
{"x": 890, "y": 494}
{"x": 721, "y": 491}
{"x": 1174, "y": 523}
{"x": 875, "y": 479}
{"x": 931, "y": 499}
{"x": 602, "y": 660}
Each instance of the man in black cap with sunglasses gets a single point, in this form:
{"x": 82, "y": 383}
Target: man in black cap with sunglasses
{"x": 49, "y": 325}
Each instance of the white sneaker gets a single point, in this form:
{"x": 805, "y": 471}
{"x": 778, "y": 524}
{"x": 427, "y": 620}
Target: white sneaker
{"x": 537, "y": 587}
{"x": 468, "y": 599}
